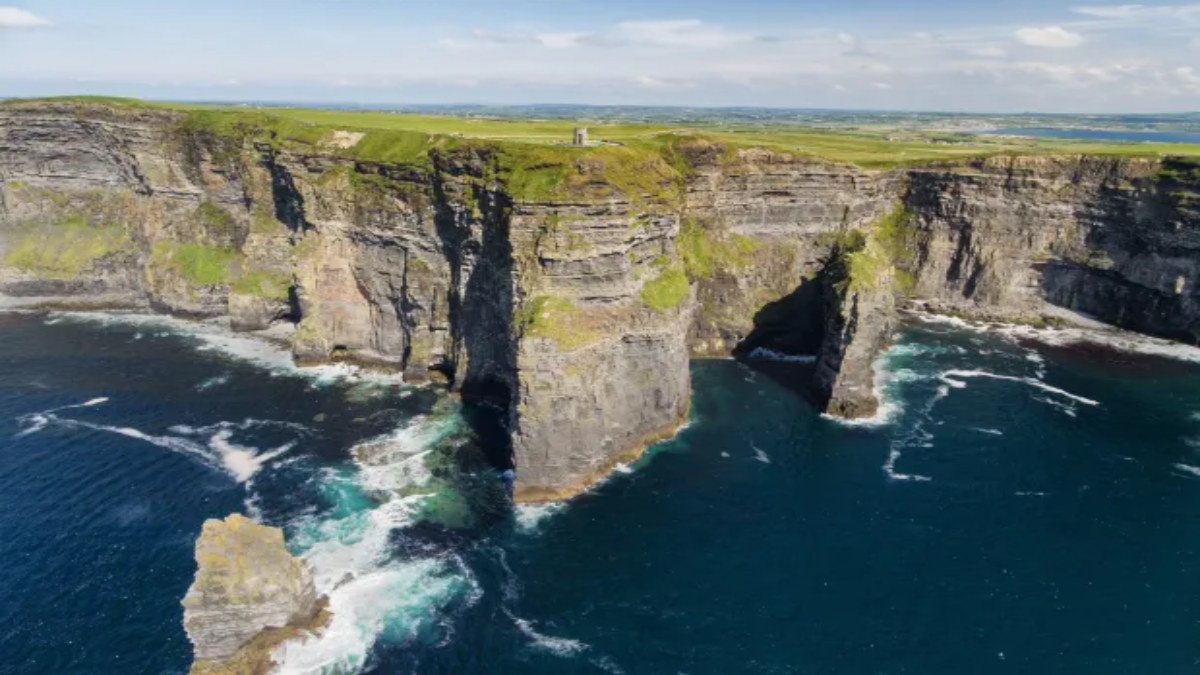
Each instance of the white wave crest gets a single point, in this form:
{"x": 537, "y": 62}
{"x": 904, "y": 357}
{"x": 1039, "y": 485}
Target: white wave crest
{"x": 1189, "y": 469}
{"x": 883, "y": 387}
{"x": 1088, "y": 332}
{"x": 216, "y": 336}
{"x": 558, "y": 646}
{"x": 374, "y": 597}
{"x": 213, "y": 382}
{"x": 240, "y": 461}
{"x": 949, "y": 376}
{"x": 529, "y": 517}
{"x": 219, "y": 452}
{"x": 35, "y": 422}
{"x": 761, "y": 456}
{"x": 990, "y": 432}
{"x": 392, "y": 601}
{"x": 396, "y": 460}
{"x": 889, "y": 468}
{"x": 765, "y": 354}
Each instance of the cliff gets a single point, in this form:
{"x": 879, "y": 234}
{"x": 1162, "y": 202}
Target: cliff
{"x": 249, "y": 595}
{"x": 568, "y": 287}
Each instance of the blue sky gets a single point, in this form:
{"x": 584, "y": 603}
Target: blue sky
{"x": 1007, "y": 55}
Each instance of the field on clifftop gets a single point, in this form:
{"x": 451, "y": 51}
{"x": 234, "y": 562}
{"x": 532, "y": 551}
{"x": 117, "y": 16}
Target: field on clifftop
{"x": 865, "y": 145}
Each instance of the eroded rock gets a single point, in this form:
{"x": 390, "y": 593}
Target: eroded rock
{"x": 250, "y": 594}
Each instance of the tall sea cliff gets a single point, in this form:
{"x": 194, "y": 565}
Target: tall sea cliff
{"x": 569, "y": 287}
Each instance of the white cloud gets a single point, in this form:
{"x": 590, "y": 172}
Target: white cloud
{"x": 855, "y": 47}
{"x": 551, "y": 40}
{"x": 881, "y": 85}
{"x": 649, "y": 82}
{"x": 1137, "y": 12}
{"x": 678, "y": 33}
{"x": 988, "y": 52}
{"x": 1049, "y": 36}
{"x": 1188, "y": 75}
{"x": 690, "y": 33}
{"x": 15, "y": 17}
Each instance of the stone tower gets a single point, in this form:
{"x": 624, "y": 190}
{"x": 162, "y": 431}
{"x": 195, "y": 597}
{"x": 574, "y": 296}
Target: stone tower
{"x": 581, "y": 137}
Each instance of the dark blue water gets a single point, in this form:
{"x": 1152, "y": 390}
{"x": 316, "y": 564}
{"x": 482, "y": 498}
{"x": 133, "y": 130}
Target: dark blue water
{"x": 1027, "y": 510}
{"x": 1127, "y": 135}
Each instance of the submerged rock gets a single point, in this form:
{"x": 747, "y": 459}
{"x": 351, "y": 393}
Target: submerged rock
{"x": 250, "y": 594}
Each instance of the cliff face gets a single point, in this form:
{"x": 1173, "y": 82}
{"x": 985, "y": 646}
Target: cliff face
{"x": 567, "y": 287}
{"x": 249, "y": 595}
{"x": 569, "y": 312}
{"x": 1117, "y": 239}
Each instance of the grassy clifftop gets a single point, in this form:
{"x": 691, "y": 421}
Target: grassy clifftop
{"x": 634, "y": 158}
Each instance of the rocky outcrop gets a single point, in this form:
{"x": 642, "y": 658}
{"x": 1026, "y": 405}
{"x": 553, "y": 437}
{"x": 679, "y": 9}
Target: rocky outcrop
{"x": 567, "y": 287}
{"x": 249, "y": 595}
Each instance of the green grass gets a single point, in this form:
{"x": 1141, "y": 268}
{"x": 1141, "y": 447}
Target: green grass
{"x": 867, "y": 256}
{"x": 217, "y": 221}
{"x": 65, "y": 249}
{"x": 268, "y": 284}
{"x": 557, "y": 319}
{"x": 199, "y": 264}
{"x": 668, "y": 289}
{"x": 706, "y": 251}
{"x": 407, "y": 138}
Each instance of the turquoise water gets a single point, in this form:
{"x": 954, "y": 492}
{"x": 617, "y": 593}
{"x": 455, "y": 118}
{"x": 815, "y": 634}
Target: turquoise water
{"x": 1023, "y": 509}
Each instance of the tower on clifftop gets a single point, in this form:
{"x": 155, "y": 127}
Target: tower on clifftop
{"x": 580, "y": 138}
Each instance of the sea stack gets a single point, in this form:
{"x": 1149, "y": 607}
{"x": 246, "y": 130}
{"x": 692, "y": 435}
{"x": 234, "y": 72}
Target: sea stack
{"x": 250, "y": 594}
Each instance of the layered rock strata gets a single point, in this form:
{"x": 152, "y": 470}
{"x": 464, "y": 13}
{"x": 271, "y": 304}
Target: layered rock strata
{"x": 248, "y": 596}
{"x": 567, "y": 287}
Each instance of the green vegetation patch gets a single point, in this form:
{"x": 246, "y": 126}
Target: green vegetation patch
{"x": 707, "y": 251}
{"x": 200, "y": 264}
{"x": 65, "y": 249}
{"x": 216, "y": 220}
{"x": 1179, "y": 172}
{"x": 887, "y": 245}
{"x": 268, "y": 284}
{"x": 558, "y": 319}
{"x": 668, "y": 289}
{"x": 264, "y": 222}
{"x": 549, "y": 173}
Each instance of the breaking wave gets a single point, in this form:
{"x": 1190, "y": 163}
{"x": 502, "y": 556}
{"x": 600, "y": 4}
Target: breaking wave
{"x": 954, "y": 378}
{"x": 373, "y": 594}
{"x": 215, "y": 336}
{"x": 765, "y": 354}
{"x": 1097, "y": 334}
{"x": 1189, "y": 469}
{"x": 218, "y": 452}
{"x": 529, "y": 517}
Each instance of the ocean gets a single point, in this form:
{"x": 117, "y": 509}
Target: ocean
{"x": 1017, "y": 507}
{"x": 1084, "y": 134}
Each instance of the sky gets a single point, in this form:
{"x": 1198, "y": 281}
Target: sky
{"x": 950, "y": 55}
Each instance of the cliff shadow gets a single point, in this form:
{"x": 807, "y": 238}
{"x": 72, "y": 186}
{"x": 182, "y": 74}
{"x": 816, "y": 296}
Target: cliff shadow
{"x": 482, "y": 364}
{"x": 288, "y": 202}
{"x": 787, "y": 337}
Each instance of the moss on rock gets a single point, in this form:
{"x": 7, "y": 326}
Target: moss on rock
{"x": 64, "y": 249}
{"x": 668, "y": 289}
{"x": 197, "y": 263}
